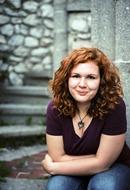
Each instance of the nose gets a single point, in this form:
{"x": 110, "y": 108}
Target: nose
{"x": 82, "y": 82}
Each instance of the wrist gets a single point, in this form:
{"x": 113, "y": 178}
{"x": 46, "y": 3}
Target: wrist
{"x": 53, "y": 168}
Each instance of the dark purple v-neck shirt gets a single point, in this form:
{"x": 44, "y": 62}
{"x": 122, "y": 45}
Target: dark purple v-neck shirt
{"x": 113, "y": 123}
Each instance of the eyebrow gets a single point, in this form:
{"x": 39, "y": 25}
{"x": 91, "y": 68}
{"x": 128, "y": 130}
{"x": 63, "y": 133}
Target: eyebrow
{"x": 86, "y": 74}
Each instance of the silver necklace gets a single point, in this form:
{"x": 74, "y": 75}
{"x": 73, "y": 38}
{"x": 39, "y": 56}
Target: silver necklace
{"x": 81, "y": 123}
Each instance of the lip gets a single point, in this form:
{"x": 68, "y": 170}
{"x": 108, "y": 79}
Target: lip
{"x": 82, "y": 93}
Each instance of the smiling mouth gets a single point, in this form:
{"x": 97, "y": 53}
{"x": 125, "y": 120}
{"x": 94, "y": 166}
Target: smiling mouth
{"x": 81, "y": 93}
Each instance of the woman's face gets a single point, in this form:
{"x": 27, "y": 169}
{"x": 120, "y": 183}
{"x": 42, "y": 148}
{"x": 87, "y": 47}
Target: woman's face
{"x": 84, "y": 82}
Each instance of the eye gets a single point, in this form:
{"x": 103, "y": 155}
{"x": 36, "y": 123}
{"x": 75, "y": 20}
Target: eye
{"x": 75, "y": 76}
{"x": 91, "y": 77}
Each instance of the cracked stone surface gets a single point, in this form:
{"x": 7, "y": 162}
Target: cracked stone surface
{"x": 25, "y": 170}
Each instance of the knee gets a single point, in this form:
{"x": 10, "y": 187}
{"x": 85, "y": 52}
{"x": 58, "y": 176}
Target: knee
{"x": 54, "y": 183}
{"x": 59, "y": 182}
{"x": 63, "y": 182}
{"x": 98, "y": 183}
{"x": 118, "y": 177}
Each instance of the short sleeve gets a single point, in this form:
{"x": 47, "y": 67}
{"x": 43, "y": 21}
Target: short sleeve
{"x": 53, "y": 121}
{"x": 116, "y": 122}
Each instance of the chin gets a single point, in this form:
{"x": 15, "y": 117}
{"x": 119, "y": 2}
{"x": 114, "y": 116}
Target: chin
{"x": 83, "y": 101}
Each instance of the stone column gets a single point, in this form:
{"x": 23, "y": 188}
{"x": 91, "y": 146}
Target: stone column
{"x": 122, "y": 50}
{"x": 123, "y": 30}
{"x": 103, "y": 25}
{"x": 60, "y": 32}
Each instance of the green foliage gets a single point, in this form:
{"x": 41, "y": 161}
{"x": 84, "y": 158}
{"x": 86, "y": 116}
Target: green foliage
{"x": 29, "y": 121}
{"x": 42, "y": 122}
{"x": 3, "y": 75}
{"x": 2, "y": 123}
{"x": 4, "y": 170}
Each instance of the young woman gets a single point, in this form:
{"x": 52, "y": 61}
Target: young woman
{"x": 86, "y": 125}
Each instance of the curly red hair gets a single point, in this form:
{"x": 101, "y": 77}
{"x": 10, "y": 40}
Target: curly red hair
{"x": 110, "y": 88}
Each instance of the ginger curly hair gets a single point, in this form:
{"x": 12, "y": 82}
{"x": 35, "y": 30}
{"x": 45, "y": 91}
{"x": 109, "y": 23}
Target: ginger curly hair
{"x": 110, "y": 88}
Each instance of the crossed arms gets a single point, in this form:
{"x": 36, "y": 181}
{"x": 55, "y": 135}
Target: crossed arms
{"x": 58, "y": 162}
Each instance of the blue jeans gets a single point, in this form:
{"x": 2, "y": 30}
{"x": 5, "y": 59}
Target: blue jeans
{"x": 116, "y": 178}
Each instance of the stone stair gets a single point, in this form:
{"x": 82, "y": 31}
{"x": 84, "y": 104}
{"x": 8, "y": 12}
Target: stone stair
{"x": 26, "y": 114}
{"x": 33, "y": 95}
{"x": 22, "y": 124}
{"x": 22, "y": 111}
{"x": 21, "y": 131}
{"x": 23, "y": 108}
{"x": 37, "y": 78}
{"x": 23, "y": 184}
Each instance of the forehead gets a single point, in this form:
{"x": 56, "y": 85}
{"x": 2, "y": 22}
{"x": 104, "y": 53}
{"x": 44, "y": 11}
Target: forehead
{"x": 86, "y": 67}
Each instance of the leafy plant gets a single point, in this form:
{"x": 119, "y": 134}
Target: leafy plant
{"x": 29, "y": 121}
{"x": 4, "y": 170}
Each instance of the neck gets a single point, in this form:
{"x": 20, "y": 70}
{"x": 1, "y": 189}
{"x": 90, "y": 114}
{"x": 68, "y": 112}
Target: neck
{"x": 83, "y": 109}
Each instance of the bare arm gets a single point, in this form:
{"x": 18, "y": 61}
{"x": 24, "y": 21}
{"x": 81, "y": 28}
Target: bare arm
{"x": 108, "y": 151}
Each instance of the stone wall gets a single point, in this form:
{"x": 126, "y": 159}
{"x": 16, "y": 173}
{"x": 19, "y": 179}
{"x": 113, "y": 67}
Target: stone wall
{"x": 79, "y": 30}
{"x": 26, "y": 37}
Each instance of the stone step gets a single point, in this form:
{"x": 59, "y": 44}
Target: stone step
{"x": 38, "y": 78}
{"x": 23, "y": 184}
{"x": 21, "y": 130}
{"x": 20, "y": 135}
{"x": 24, "y": 94}
{"x": 22, "y": 109}
{"x": 10, "y": 154}
{"x": 26, "y": 114}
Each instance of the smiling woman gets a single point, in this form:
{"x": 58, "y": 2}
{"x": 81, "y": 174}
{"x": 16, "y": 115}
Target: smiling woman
{"x": 86, "y": 125}
{"x": 84, "y": 82}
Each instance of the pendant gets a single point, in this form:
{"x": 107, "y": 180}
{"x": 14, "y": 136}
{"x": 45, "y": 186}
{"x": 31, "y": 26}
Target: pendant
{"x": 80, "y": 124}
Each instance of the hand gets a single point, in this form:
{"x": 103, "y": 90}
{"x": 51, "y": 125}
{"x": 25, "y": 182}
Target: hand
{"x": 47, "y": 163}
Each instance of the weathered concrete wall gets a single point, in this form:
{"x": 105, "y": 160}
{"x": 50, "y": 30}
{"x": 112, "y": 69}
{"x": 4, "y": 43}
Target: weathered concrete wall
{"x": 72, "y": 27}
{"x": 79, "y": 25}
{"x": 122, "y": 49}
{"x": 124, "y": 67}
{"x": 60, "y": 31}
{"x": 103, "y": 26}
{"x": 122, "y": 32}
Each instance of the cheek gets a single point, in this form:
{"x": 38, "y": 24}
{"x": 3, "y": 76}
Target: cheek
{"x": 94, "y": 86}
{"x": 72, "y": 83}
